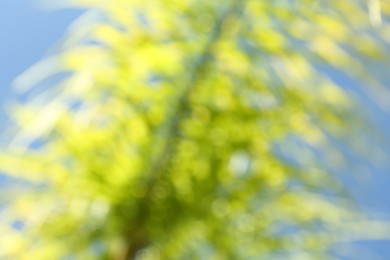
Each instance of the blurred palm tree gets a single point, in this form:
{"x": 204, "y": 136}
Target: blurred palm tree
{"x": 193, "y": 130}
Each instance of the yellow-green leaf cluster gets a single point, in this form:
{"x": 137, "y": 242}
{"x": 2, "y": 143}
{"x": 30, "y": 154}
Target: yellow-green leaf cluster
{"x": 166, "y": 139}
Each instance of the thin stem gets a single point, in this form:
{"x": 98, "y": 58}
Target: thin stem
{"x": 159, "y": 164}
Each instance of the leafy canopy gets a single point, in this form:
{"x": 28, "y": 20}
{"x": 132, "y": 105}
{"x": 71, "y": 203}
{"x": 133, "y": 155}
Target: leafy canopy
{"x": 190, "y": 130}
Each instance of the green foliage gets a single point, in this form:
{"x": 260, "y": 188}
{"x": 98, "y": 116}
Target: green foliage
{"x": 166, "y": 139}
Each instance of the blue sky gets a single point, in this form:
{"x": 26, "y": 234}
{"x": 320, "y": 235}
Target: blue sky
{"x": 28, "y": 33}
